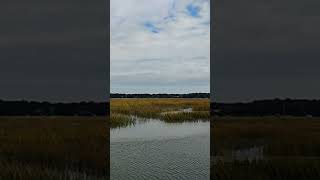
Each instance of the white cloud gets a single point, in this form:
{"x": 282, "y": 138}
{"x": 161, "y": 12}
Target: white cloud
{"x": 157, "y": 43}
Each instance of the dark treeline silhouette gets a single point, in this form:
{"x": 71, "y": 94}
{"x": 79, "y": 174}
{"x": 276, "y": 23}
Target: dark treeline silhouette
{"x": 190, "y": 95}
{"x": 276, "y": 107}
{"x": 31, "y": 108}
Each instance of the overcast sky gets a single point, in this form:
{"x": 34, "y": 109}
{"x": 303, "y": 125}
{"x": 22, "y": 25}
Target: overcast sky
{"x": 53, "y": 50}
{"x": 160, "y": 46}
{"x": 265, "y": 49}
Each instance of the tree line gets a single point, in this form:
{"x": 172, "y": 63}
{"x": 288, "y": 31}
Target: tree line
{"x": 32, "y": 108}
{"x": 275, "y": 107}
{"x": 281, "y": 107}
{"x": 190, "y": 95}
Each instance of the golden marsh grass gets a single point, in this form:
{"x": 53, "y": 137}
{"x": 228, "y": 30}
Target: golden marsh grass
{"x": 158, "y": 108}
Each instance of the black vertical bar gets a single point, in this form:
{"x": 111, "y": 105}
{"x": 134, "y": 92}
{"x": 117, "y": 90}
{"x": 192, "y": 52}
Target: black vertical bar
{"x": 211, "y": 84}
{"x": 107, "y": 10}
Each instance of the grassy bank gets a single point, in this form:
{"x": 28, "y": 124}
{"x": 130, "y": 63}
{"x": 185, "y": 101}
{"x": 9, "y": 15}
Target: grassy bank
{"x": 185, "y": 116}
{"x": 268, "y": 170}
{"x": 158, "y": 108}
{"x": 53, "y": 148}
{"x": 291, "y": 147}
{"x": 121, "y": 120}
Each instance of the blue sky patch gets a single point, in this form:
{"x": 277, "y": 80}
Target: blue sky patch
{"x": 151, "y": 27}
{"x": 193, "y": 10}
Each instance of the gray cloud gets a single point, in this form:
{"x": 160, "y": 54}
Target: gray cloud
{"x": 160, "y": 50}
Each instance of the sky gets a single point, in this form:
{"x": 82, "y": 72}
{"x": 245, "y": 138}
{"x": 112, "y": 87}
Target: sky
{"x": 160, "y": 46}
{"x": 265, "y": 49}
{"x": 54, "y": 50}
{"x": 58, "y": 50}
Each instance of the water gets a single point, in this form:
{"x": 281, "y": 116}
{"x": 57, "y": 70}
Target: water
{"x": 188, "y": 110}
{"x": 154, "y": 150}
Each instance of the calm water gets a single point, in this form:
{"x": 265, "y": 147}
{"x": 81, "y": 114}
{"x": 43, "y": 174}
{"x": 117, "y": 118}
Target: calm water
{"x": 156, "y": 150}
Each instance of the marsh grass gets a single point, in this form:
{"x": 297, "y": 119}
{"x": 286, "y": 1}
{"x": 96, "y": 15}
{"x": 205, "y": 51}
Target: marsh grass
{"x": 185, "y": 116}
{"x": 291, "y": 147}
{"x": 280, "y": 136}
{"x": 267, "y": 170}
{"x": 121, "y": 120}
{"x": 158, "y": 108}
{"x": 53, "y": 147}
{"x": 17, "y": 171}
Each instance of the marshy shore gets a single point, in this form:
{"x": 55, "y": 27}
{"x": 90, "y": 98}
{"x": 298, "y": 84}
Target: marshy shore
{"x": 170, "y": 110}
{"x": 270, "y": 147}
{"x": 51, "y": 147}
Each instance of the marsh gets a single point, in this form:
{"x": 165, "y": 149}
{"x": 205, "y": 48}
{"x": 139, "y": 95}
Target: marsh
{"x": 266, "y": 147}
{"x": 54, "y": 147}
{"x": 166, "y": 139}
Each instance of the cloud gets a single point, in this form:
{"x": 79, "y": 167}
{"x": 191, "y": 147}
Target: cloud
{"x": 153, "y": 47}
